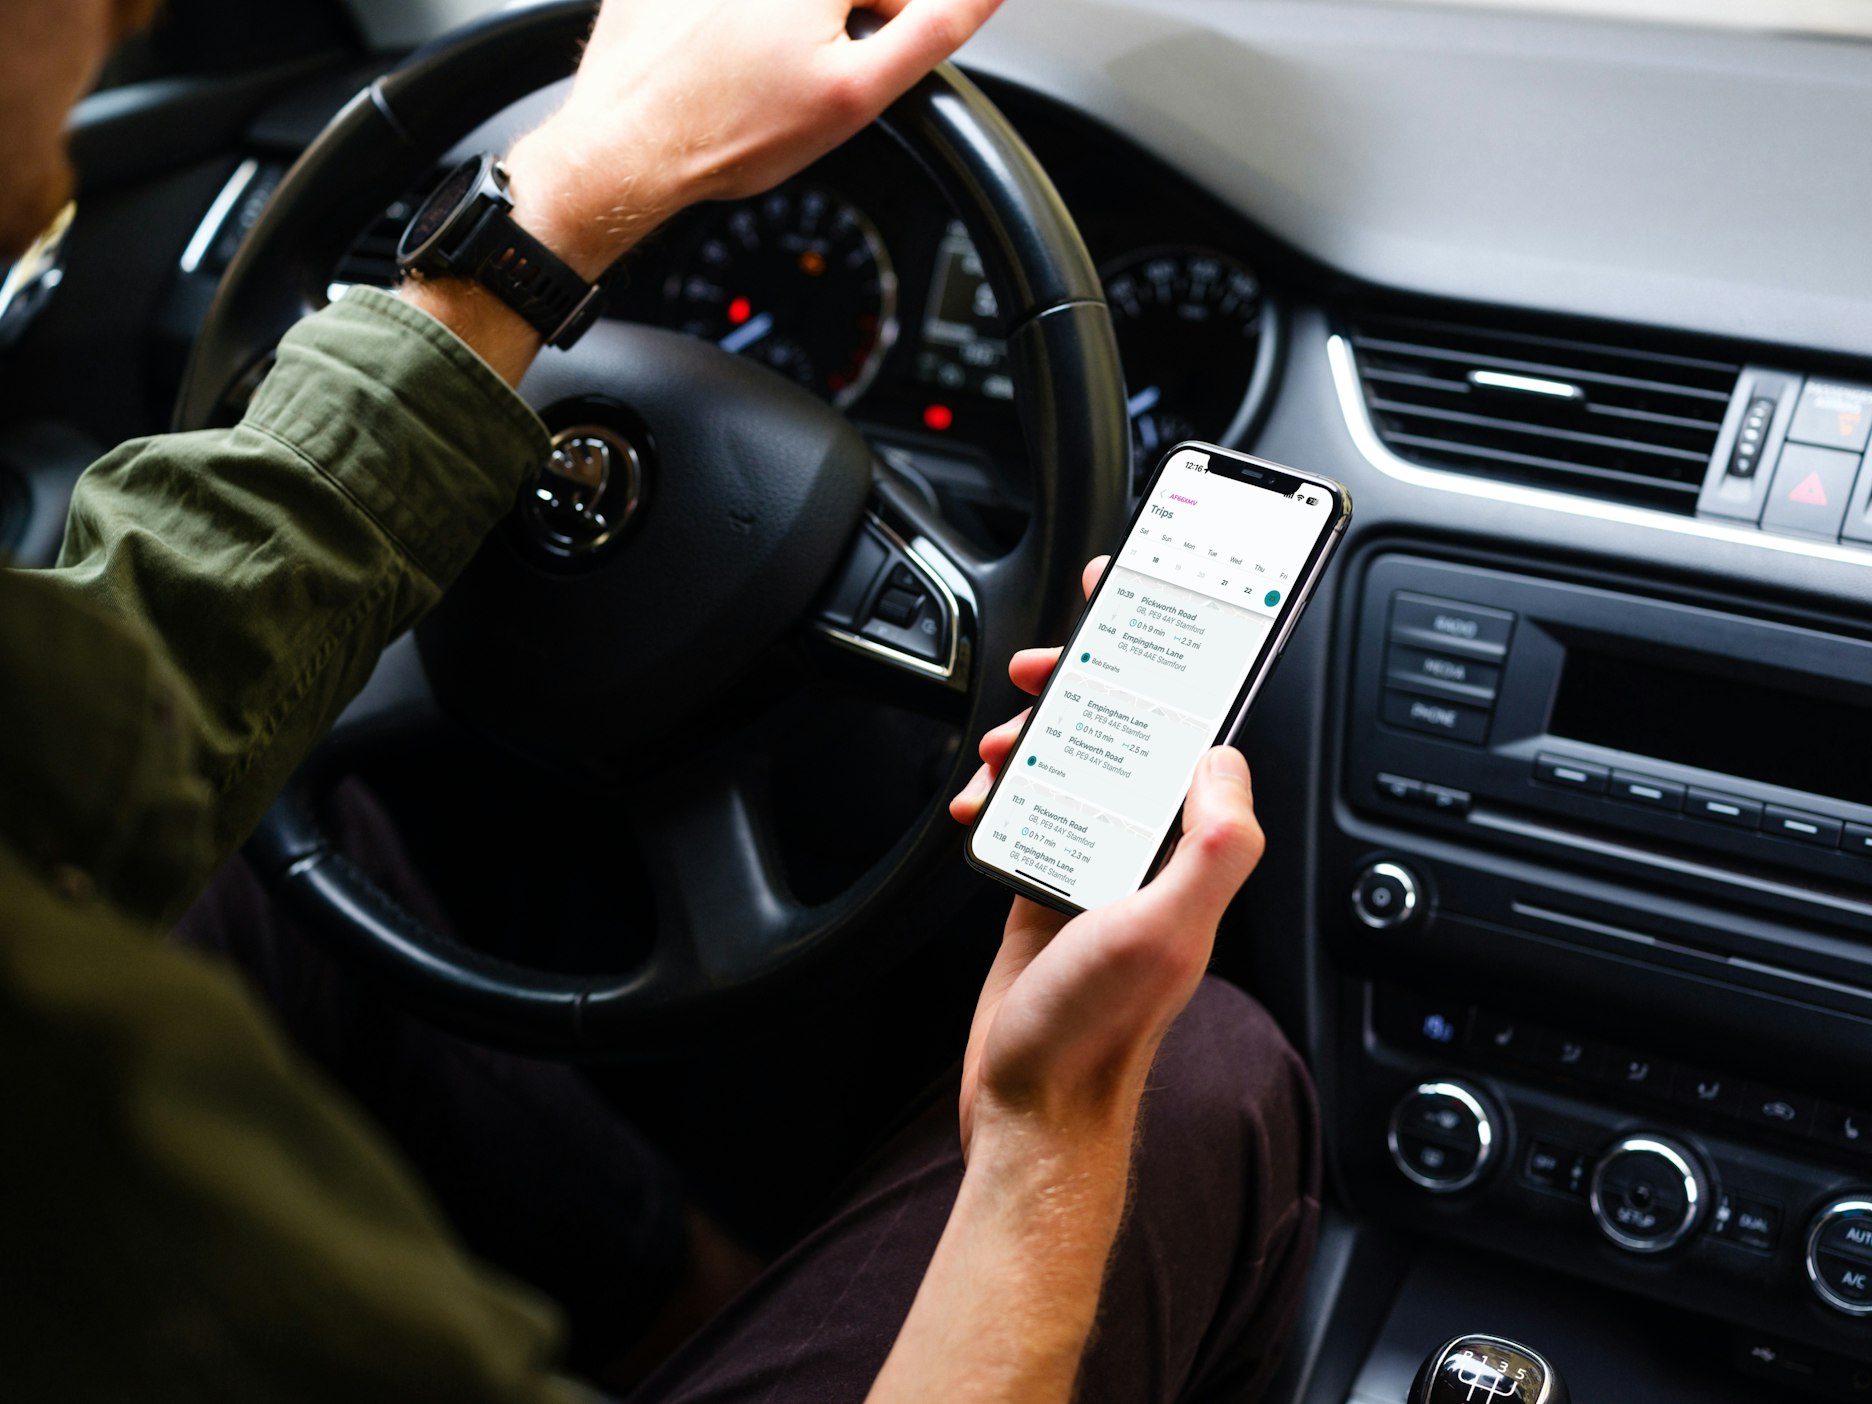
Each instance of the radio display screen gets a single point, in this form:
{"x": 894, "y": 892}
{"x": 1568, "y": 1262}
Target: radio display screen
{"x": 1736, "y": 727}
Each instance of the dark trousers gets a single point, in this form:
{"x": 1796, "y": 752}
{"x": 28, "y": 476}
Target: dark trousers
{"x": 543, "y": 1179}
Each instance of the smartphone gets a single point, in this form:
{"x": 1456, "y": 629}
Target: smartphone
{"x": 1175, "y": 642}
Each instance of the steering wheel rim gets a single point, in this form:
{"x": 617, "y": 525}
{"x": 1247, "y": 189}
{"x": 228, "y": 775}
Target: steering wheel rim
{"x": 1069, "y": 395}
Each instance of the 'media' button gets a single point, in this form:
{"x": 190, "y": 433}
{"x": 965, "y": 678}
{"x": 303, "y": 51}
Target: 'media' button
{"x": 1456, "y": 720}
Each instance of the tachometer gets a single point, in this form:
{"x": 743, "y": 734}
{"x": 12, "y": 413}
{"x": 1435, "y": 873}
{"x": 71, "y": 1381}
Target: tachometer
{"x": 1190, "y": 333}
{"x": 799, "y": 280}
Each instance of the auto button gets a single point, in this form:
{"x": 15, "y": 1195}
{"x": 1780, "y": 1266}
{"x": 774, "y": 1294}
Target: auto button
{"x": 1839, "y": 1256}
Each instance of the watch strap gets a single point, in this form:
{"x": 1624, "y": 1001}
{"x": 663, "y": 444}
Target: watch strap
{"x": 529, "y": 277}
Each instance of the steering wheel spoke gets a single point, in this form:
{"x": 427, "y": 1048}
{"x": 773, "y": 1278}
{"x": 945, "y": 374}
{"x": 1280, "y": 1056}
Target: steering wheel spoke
{"x": 901, "y": 613}
{"x": 725, "y": 912}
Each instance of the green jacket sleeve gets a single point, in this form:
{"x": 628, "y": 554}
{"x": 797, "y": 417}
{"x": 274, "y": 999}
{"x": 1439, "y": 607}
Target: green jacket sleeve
{"x": 271, "y": 563}
{"x": 193, "y": 1217}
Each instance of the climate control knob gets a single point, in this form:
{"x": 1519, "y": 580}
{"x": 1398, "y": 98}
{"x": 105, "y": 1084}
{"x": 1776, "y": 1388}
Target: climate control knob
{"x": 1839, "y": 1255}
{"x": 1385, "y": 895}
{"x": 1648, "y": 1193}
{"x": 1443, "y": 1136}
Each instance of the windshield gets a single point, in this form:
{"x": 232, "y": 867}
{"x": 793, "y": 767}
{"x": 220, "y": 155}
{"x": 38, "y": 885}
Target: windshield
{"x": 1840, "y": 17}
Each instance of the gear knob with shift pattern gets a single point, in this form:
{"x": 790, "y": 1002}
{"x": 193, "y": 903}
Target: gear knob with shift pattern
{"x": 1480, "y": 1369}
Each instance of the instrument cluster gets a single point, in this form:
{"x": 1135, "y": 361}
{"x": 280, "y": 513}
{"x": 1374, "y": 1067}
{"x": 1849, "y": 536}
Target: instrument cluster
{"x": 857, "y": 281}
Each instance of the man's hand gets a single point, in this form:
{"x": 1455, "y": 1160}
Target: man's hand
{"x": 1072, "y": 1011}
{"x": 1070, "y": 1018}
{"x": 702, "y": 100}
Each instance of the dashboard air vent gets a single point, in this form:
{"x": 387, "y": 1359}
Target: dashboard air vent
{"x": 371, "y": 260}
{"x": 1531, "y": 400}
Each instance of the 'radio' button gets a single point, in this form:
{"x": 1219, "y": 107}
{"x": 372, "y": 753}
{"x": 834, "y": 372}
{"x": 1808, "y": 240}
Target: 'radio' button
{"x": 1466, "y": 627}
{"x": 1458, "y": 721}
{"x": 1570, "y": 774}
{"x": 1714, "y": 807}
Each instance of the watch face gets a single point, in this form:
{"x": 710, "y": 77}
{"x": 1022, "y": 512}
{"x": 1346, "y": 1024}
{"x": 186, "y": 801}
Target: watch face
{"x": 434, "y": 215}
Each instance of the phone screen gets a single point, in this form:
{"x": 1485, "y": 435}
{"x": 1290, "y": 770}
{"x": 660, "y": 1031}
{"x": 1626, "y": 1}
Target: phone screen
{"x": 1218, "y": 554}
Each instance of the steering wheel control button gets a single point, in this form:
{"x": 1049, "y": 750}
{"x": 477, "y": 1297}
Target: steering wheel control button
{"x": 1442, "y": 1136}
{"x": 1839, "y": 1256}
{"x": 1385, "y": 896}
{"x": 585, "y": 491}
{"x": 1648, "y": 1193}
{"x": 1571, "y": 774}
{"x": 1833, "y": 415}
{"x": 1810, "y": 489}
{"x": 889, "y": 603}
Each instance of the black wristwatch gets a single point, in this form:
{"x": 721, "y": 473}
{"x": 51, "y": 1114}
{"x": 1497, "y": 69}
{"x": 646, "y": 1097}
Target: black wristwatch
{"x": 466, "y": 229}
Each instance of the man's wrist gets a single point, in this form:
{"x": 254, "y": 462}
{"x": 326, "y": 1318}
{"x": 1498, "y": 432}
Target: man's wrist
{"x": 590, "y": 219}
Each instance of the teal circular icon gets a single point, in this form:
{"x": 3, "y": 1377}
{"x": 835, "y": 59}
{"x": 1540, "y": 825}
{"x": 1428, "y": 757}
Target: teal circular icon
{"x": 1032, "y": 760}
{"x": 1085, "y": 658}
{"x": 1271, "y": 598}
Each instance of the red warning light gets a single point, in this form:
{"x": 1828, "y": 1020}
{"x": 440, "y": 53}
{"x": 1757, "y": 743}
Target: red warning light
{"x": 938, "y": 417}
{"x": 740, "y": 310}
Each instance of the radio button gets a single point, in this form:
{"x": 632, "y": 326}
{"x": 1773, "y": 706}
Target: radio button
{"x": 1815, "y": 829}
{"x": 1468, "y": 628}
{"x": 1401, "y": 788}
{"x": 1457, "y": 721}
{"x": 1715, "y": 808}
{"x": 1646, "y": 790}
{"x": 1446, "y": 799}
{"x": 1443, "y": 672}
{"x": 1858, "y": 840}
{"x": 1570, "y": 774}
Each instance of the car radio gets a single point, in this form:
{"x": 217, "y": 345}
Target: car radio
{"x": 1695, "y": 733}
{"x": 1598, "y": 878}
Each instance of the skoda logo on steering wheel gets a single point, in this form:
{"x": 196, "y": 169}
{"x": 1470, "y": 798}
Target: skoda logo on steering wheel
{"x": 585, "y": 491}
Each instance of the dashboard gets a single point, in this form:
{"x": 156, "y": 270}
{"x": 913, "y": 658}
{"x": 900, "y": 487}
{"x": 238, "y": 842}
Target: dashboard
{"x": 1564, "y": 771}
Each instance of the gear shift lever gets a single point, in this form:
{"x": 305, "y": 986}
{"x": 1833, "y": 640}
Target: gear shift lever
{"x": 1487, "y": 1370}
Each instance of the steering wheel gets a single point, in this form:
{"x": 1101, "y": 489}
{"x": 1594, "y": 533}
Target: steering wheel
{"x": 699, "y": 510}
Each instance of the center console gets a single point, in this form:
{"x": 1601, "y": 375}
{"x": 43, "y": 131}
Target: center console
{"x": 1598, "y": 899}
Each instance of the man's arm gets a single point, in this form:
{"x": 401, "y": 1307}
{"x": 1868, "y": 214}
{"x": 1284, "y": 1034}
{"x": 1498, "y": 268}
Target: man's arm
{"x": 1070, "y": 1019}
{"x": 272, "y": 563}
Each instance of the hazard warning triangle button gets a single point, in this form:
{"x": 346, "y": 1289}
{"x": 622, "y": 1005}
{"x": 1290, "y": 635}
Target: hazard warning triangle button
{"x": 1809, "y": 490}
{"x": 1811, "y": 487}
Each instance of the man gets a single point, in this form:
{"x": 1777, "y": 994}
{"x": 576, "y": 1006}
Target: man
{"x": 191, "y": 1212}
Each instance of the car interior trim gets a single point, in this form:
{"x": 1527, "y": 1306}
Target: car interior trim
{"x": 1344, "y": 364}
{"x": 1752, "y": 883}
{"x": 210, "y": 228}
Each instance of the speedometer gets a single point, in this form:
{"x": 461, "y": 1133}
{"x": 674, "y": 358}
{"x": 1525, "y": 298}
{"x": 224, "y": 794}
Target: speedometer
{"x": 797, "y": 279}
{"x": 1190, "y": 326}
